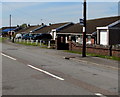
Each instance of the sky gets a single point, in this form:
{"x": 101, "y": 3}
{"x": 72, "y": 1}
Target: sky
{"x": 53, "y": 12}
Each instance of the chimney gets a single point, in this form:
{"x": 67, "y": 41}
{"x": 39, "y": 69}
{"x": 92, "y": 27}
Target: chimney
{"x": 50, "y": 24}
{"x": 28, "y": 25}
{"x": 18, "y": 26}
{"x": 42, "y": 24}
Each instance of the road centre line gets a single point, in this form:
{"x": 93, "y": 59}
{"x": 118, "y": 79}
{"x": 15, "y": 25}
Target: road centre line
{"x": 50, "y": 74}
{"x": 8, "y": 56}
{"x": 35, "y": 68}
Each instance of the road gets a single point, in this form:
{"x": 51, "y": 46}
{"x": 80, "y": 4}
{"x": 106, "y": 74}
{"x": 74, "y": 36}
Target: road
{"x": 28, "y": 70}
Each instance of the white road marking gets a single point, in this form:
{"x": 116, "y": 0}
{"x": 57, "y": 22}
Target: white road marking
{"x": 46, "y": 72}
{"x": 98, "y": 94}
{"x": 8, "y": 56}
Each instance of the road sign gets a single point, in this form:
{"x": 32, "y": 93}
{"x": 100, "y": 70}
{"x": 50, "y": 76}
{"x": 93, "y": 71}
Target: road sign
{"x": 81, "y": 22}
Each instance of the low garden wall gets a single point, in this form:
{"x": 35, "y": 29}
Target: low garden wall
{"x": 96, "y": 49}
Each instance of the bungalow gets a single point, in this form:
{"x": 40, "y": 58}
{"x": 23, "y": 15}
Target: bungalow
{"x": 74, "y": 32}
{"x": 55, "y": 31}
{"x": 5, "y": 30}
{"x": 28, "y": 29}
{"x": 52, "y": 29}
{"x": 109, "y": 35}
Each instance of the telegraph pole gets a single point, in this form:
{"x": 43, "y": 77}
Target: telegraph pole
{"x": 84, "y": 30}
{"x": 10, "y": 27}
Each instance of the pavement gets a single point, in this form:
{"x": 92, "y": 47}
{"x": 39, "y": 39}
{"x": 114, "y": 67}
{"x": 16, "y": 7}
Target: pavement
{"x": 96, "y": 61}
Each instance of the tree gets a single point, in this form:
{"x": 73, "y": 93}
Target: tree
{"x": 24, "y": 25}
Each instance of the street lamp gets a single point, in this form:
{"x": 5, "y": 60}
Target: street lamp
{"x": 84, "y": 30}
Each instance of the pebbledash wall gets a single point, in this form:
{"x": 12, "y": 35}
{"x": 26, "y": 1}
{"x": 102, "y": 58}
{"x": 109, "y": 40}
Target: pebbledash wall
{"x": 96, "y": 49}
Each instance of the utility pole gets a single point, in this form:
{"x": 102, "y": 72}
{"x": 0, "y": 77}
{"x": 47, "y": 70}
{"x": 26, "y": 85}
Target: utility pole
{"x": 84, "y": 30}
{"x": 10, "y": 27}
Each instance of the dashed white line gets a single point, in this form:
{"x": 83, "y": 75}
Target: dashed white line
{"x": 8, "y": 56}
{"x": 50, "y": 74}
{"x": 101, "y": 95}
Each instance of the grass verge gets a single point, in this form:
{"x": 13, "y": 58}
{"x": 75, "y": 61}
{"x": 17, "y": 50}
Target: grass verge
{"x": 29, "y": 44}
{"x": 32, "y": 44}
{"x": 2, "y": 39}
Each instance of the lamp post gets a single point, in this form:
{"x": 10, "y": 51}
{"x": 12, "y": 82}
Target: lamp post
{"x": 84, "y": 30}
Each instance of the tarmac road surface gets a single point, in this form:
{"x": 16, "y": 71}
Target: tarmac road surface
{"x": 28, "y": 70}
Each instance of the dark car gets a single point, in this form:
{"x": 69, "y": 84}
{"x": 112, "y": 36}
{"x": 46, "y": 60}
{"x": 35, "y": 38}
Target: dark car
{"x": 43, "y": 36}
{"x": 28, "y": 36}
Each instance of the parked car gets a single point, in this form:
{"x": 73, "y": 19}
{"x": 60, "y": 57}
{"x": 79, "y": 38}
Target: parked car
{"x": 28, "y": 36}
{"x": 42, "y": 36}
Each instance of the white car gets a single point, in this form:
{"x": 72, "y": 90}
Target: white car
{"x": 18, "y": 36}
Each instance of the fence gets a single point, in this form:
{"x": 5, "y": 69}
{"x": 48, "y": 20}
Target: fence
{"x": 42, "y": 43}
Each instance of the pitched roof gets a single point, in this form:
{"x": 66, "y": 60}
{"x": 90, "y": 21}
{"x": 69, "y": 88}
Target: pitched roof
{"x": 28, "y": 29}
{"x": 102, "y": 22}
{"x": 115, "y": 24}
{"x": 64, "y": 26}
{"x": 3, "y": 28}
{"x": 8, "y": 29}
{"x": 49, "y": 28}
{"x": 91, "y": 25}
